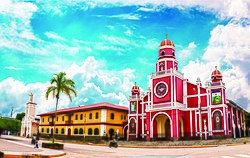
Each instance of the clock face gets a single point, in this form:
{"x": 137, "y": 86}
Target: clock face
{"x": 161, "y": 89}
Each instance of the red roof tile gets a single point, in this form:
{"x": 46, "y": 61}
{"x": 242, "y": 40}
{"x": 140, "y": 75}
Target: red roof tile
{"x": 103, "y": 105}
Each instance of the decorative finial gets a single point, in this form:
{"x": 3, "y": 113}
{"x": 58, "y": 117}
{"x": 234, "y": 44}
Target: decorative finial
{"x": 166, "y": 36}
{"x": 135, "y": 83}
{"x": 31, "y": 97}
{"x": 215, "y": 67}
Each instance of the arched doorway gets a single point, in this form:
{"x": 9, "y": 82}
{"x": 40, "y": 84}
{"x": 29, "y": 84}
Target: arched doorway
{"x": 51, "y": 132}
{"x": 125, "y": 132}
{"x": 163, "y": 127}
{"x": 69, "y": 131}
{"x": 111, "y": 133}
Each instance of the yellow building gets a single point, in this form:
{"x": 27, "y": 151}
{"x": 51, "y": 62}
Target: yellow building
{"x": 102, "y": 119}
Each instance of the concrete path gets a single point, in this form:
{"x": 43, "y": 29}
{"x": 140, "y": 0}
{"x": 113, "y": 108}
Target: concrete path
{"x": 13, "y": 146}
{"x": 79, "y": 150}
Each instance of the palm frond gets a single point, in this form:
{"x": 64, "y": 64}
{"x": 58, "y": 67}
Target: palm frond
{"x": 49, "y": 90}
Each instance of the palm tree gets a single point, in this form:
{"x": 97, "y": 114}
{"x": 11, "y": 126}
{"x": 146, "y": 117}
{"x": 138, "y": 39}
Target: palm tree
{"x": 60, "y": 84}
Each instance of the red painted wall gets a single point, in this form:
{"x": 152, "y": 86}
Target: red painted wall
{"x": 179, "y": 90}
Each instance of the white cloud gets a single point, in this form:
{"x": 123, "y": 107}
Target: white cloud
{"x": 93, "y": 83}
{"x": 228, "y": 8}
{"x": 191, "y": 45}
{"x": 127, "y": 16}
{"x": 228, "y": 47}
{"x": 53, "y": 35}
{"x": 13, "y": 68}
{"x": 185, "y": 53}
{"x": 110, "y": 27}
{"x": 128, "y": 32}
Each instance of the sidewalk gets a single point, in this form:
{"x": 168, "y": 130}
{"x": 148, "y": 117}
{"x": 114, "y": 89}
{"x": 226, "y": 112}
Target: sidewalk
{"x": 13, "y": 149}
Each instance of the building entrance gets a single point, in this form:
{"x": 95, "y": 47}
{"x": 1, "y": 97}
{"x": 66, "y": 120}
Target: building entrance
{"x": 163, "y": 127}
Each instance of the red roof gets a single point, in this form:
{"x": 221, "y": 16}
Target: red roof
{"x": 166, "y": 42}
{"x": 103, "y": 105}
{"x": 216, "y": 73}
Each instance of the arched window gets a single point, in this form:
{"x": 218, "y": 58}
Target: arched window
{"x": 76, "y": 117}
{"x": 63, "y": 118}
{"x": 56, "y": 118}
{"x": 161, "y": 68}
{"x": 121, "y": 117}
{"x": 43, "y": 119}
{"x": 112, "y": 116}
{"x": 90, "y": 131}
{"x": 132, "y": 126}
{"x": 81, "y": 117}
{"x": 217, "y": 120}
{"x": 47, "y": 130}
{"x": 229, "y": 121}
{"x": 96, "y": 131}
{"x": 75, "y": 131}
{"x": 124, "y": 117}
{"x": 90, "y": 116}
{"x": 56, "y": 130}
{"x": 81, "y": 131}
{"x": 62, "y": 131}
{"x": 48, "y": 119}
{"x": 42, "y": 130}
{"x": 162, "y": 53}
{"x": 96, "y": 115}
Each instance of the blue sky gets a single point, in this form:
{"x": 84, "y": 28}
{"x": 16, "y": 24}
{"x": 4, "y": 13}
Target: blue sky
{"x": 106, "y": 46}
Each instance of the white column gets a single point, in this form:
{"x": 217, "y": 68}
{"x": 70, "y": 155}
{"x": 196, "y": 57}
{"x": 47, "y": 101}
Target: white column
{"x": 195, "y": 115}
{"x": 137, "y": 121}
{"x": 224, "y": 114}
{"x": 171, "y": 80}
{"x": 151, "y": 126}
{"x": 191, "y": 123}
{"x": 177, "y": 123}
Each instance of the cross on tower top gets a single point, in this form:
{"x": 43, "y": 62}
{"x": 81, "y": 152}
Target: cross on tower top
{"x": 166, "y": 36}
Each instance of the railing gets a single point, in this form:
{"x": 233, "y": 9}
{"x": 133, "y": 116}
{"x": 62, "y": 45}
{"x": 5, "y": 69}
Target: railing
{"x": 69, "y": 122}
{"x": 207, "y": 84}
{"x": 158, "y": 106}
{"x": 173, "y": 71}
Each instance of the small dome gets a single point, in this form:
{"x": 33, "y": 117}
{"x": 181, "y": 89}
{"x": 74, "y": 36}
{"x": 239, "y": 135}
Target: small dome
{"x": 216, "y": 72}
{"x": 135, "y": 90}
{"x": 166, "y": 43}
{"x": 216, "y": 75}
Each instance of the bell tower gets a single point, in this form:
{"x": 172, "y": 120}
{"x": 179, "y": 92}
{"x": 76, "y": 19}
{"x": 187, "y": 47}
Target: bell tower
{"x": 29, "y": 117}
{"x": 166, "y": 56}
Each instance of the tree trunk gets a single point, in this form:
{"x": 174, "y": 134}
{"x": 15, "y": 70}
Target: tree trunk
{"x": 57, "y": 98}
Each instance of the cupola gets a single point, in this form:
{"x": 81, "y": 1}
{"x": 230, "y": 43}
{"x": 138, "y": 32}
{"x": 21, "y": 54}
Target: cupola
{"x": 166, "y": 49}
{"x": 135, "y": 90}
{"x": 216, "y": 75}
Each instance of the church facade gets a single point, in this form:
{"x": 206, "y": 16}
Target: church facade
{"x": 29, "y": 122}
{"x": 173, "y": 108}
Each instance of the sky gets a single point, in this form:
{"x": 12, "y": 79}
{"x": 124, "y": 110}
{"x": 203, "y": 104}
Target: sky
{"x": 106, "y": 46}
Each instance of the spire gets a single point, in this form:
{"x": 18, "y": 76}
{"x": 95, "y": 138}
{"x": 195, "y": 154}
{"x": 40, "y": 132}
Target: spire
{"x": 166, "y": 36}
{"x": 215, "y": 67}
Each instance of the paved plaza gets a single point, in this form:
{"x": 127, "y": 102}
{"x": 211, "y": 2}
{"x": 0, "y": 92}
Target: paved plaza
{"x": 16, "y": 144}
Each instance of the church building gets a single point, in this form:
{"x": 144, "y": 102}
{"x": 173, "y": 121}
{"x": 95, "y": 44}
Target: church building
{"x": 29, "y": 122}
{"x": 173, "y": 108}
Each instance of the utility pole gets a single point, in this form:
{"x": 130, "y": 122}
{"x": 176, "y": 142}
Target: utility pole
{"x": 12, "y": 109}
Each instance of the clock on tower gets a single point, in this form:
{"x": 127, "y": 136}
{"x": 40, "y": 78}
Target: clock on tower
{"x": 161, "y": 89}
